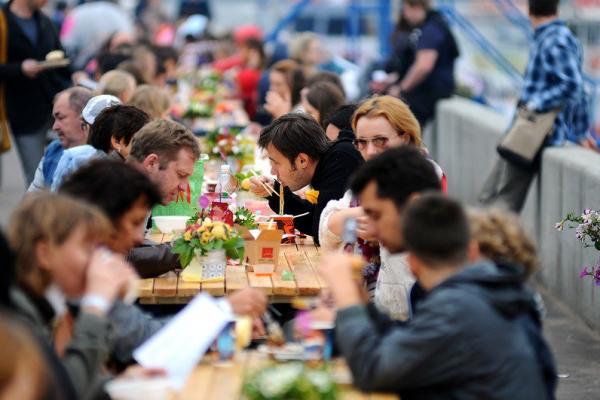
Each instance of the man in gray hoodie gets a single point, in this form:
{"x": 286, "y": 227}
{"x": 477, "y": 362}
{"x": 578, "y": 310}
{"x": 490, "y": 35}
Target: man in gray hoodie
{"x": 476, "y": 335}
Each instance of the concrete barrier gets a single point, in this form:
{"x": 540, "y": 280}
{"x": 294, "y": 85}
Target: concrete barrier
{"x": 464, "y": 140}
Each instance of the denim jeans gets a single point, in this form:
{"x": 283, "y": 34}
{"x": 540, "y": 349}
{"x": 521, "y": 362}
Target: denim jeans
{"x": 31, "y": 149}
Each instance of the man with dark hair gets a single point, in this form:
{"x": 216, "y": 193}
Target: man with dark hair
{"x": 66, "y": 111}
{"x": 386, "y": 183}
{"x": 467, "y": 340}
{"x": 301, "y": 155}
{"x": 114, "y": 128}
{"x": 553, "y": 81}
{"x": 126, "y": 196}
{"x": 166, "y": 152}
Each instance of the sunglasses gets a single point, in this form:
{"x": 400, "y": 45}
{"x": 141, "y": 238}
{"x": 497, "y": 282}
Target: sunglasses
{"x": 379, "y": 142}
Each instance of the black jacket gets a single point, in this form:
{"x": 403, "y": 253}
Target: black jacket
{"x": 29, "y": 101}
{"x": 330, "y": 179}
{"x": 475, "y": 336}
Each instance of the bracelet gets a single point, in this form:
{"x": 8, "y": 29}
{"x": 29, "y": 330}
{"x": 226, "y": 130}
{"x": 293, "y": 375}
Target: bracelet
{"x": 95, "y": 301}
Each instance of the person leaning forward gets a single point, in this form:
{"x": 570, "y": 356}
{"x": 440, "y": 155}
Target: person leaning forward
{"x": 301, "y": 155}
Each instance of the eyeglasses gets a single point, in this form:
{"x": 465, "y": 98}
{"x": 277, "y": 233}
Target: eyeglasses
{"x": 380, "y": 142}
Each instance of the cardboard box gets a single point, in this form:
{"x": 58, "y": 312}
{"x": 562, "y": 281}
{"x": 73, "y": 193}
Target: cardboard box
{"x": 261, "y": 247}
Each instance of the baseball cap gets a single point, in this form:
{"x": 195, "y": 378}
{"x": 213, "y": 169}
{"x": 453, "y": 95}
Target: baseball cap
{"x": 96, "y": 105}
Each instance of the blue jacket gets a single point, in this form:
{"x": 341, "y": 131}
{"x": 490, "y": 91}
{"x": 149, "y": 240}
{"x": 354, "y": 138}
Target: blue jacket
{"x": 475, "y": 336}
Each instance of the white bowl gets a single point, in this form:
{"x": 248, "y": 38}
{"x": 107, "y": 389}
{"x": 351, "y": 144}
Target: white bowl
{"x": 171, "y": 223}
{"x": 140, "y": 389}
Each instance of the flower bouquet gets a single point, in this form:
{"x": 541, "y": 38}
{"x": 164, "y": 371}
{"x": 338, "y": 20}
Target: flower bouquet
{"x": 290, "y": 381}
{"x": 587, "y": 230}
{"x": 228, "y": 143}
{"x": 203, "y": 249}
{"x": 198, "y": 109}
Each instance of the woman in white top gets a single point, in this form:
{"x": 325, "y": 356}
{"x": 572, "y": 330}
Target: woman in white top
{"x": 379, "y": 123}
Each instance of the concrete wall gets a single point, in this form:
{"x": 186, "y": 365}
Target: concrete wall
{"x": 463, "y": 141}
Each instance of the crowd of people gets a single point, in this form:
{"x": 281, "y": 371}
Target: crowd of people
{"x": 442, "y": 309}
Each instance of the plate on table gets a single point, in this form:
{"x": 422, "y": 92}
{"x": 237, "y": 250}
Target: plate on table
{"x": 287, "y": 352}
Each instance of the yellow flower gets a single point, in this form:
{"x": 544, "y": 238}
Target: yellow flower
{"x": 187, "y": 236}
{"x": 218, "y": 232}
{"x": 205, "y": 238}
{"x": 312, "y": 196}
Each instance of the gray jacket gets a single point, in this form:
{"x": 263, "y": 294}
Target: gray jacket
{"x": 473, "y": 337}
{"x": 86, "y": 352}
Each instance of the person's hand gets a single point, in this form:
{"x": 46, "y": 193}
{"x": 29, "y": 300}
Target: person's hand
{"x": 258, "y": 329}
{"x": 31, "y": 68}
{"x": 278, "y": 105}
{"x": 248, "y": 301}
{"x": 109, "y": 275}
{"x": 394, "y": 91}
{"x": 139, "y": 372}
{"x": 336, "y": 269}
{"x": 589, "y": 143}
{"x": 257, "y": 185}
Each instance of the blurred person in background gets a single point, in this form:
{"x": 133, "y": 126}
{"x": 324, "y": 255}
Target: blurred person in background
{"x": 117, "y": 83}
{"x": 340, "y": 123}
{"x": 431, "y": 76}
{"x": 27, "y": 88}
{"x": 71, "y": 132}
{"x": 305, "y": 48}
{"x": 89, "y": 25}
{"x": 286, "y": 81}
{"x": 248, "y": 77}
{"x": 153, "y": 100}
{"x": 321, "y": 100}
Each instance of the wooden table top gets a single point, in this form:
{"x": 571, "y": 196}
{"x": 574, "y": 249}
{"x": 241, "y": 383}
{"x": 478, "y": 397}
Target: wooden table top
{"x": 224, "y": 381}
{"x": 300, "y": 259}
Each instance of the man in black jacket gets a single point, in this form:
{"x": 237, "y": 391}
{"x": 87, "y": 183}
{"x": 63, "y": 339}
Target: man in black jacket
{"x": 301, "y": 155}
{"x": 29, "y": 89}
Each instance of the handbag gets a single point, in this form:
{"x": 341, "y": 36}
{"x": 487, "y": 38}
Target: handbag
{"x": 5, "y": 142}
{"x": 526, "y": 136}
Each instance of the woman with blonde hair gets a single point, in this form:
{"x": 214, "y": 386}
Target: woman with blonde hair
{"x": 379, "y": 123}
{"x": 56, "y": 243}
{"x": 153, "y": 100}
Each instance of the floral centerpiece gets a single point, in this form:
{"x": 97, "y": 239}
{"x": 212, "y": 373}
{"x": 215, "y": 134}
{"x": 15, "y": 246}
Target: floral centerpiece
{"x": 587, "y": 230}
{"x": 204, "y": 246}
{"x": 290, "y": 381}
{"x": 230, "y": 145}
{"x": 199, "y": 109}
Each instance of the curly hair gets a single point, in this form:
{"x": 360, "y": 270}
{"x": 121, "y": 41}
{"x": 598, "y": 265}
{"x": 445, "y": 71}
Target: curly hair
{"x": 502, "y": 238}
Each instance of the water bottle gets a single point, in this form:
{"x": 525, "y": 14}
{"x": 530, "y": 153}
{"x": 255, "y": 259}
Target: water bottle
{"x": 224, "y": 183}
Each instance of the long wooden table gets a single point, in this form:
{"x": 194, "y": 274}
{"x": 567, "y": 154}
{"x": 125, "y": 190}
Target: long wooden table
{"x": 224, "y": 381}
{"x": 300, "y": 259}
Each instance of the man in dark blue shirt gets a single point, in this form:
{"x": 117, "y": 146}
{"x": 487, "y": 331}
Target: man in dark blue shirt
{"x": 431, "y": 75}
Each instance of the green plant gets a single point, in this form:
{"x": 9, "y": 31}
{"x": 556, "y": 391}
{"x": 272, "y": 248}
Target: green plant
{"x": 205, "y": 235}
{"x": 290, "y": 381}
{"x": 245, "y": 218}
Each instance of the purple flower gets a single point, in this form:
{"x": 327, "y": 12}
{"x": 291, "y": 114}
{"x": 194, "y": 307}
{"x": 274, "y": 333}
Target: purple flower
{"x": 584, "y": 272}
{"x": 597, "y": 277}
{"x": 203, "y": 202}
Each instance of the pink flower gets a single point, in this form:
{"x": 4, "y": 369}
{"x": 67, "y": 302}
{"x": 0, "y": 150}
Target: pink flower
{"x": 585, "y": 272}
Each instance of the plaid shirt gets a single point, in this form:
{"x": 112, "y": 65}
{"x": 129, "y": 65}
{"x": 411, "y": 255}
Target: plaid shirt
{"x": 554, "y": 79}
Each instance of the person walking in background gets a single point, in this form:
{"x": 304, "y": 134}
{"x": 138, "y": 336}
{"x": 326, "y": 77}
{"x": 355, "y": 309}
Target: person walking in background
{"x": 430, "y": 77}
{"x": 27, "y": 88}
{"x": 553, "y": 81}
